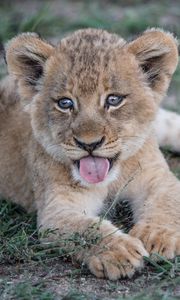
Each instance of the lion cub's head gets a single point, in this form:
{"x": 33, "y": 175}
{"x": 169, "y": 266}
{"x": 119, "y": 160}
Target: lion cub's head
{"x": 92, "y": 98}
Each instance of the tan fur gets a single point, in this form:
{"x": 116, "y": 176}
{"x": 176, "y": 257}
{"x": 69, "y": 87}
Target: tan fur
{"x": 38, "y": 151}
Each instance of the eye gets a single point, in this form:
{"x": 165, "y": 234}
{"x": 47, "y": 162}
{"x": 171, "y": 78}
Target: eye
{"x": 114, "y": 100}
{"x": 65, "y": 103}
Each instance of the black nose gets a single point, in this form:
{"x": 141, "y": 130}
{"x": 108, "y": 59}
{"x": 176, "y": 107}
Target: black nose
{"x": 89, "y": 147}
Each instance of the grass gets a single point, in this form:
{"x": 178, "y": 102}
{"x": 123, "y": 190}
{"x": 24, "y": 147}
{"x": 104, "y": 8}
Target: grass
{"x": 20, "y": 242}
{"x": 26, "y": 291}
{"x": 128, "y": 22}
{"x": 18, "y": 232}
{"x": 29, "y": 271}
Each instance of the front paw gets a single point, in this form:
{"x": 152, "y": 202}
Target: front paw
{"x": 117, "y": 256}
{"x": 161, "y": 239}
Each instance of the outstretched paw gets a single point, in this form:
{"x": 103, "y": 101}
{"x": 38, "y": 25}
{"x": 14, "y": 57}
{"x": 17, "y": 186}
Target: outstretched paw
{"x": 118, "y": 257}
{"x": 160, "y": 239}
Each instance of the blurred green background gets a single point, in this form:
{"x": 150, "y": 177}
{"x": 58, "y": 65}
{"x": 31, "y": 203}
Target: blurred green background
{"x": 53, "y": 19}
{"x": 57, "y": 17}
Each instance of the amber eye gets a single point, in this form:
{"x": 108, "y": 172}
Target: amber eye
{"x": 65, "y": 103}
{"x": 114, "y": 100}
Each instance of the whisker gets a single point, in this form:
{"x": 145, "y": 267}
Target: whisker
{"x": 108, "y": 148}
{"x": 131, "y": 136}
{"x": 75, "y": 150}
{"x": 110, "y": 142}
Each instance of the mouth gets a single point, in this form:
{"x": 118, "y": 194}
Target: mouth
{"x": 94, "y": 169}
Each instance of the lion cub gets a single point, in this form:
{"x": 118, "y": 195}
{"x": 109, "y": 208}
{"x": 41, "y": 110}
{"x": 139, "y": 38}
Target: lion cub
{"x": 76, "y": 125}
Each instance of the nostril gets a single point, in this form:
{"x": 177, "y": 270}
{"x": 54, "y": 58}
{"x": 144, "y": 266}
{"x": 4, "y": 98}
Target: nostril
{"x": 80, "y": 144}
{"x": 100, "y": 142}
{"x": 89, "y": 147}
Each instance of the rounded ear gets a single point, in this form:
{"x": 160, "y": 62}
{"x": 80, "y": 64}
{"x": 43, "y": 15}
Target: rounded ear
{"x": 157, "y": 54}
{"x": 26, "y": 55}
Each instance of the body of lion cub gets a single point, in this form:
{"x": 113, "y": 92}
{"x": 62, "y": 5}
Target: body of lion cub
{"x": 76, "y": 124}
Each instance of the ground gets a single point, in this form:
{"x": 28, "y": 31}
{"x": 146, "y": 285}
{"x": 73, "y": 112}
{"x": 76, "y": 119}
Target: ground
{"x": 27, "y": 270}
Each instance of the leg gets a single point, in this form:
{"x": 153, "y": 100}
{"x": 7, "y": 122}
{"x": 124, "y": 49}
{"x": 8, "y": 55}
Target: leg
{"x": 156, "y": 205}
{"x": 101, "y": 246}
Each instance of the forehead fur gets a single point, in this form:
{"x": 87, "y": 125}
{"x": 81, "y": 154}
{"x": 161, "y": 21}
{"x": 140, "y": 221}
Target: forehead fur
{"x": 83, "y": 56}
{"x": 94, "y": 38}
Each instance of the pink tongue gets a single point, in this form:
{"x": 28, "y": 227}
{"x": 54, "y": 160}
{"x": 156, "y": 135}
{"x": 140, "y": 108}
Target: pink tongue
{"x": 94, "y": 169}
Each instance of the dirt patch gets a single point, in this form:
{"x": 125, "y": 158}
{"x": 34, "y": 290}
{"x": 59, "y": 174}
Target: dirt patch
{"x": 61, "y": 278}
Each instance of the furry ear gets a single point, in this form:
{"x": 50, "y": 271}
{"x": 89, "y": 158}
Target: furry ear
{"x": 26, "y": 55}
{"x": 157, "y": 54}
